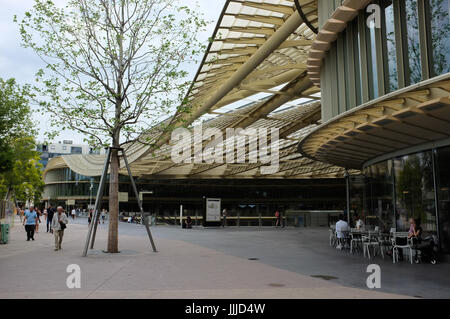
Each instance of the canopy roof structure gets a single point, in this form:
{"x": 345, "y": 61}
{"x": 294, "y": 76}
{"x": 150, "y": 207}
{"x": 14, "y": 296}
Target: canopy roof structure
{"x": 258, "y": 53}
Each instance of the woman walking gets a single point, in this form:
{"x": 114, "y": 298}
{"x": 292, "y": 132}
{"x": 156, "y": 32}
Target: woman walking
{"x": 59, "y": 223}
{"x": 38, "y": 221}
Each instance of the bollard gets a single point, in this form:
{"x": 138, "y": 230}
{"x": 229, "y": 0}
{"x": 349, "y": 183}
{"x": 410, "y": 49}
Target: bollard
{"x": 260, "y": 221}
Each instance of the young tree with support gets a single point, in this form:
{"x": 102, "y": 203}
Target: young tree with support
{"x": 114, "y": 69}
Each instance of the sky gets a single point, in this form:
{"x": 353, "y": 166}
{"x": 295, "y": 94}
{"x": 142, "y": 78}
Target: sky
{"x": 22, "y": 64}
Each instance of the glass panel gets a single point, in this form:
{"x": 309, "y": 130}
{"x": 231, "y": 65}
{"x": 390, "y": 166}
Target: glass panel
{"x": 440, "y": 36}
{"x": 357, "y": 56}
{"x": 379, "y": 191}
{"x": 390, "y": 46}
{"x": 412, "y": 26}
{"x": 371, "y": 43}
{"x": 443, "y": 182}
{"x": 415, "y": 191}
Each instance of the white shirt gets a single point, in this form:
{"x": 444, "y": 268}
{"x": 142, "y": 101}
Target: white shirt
{"x": 73, "y": 211}
{"x": 340, "y": 227}
{"x": 359, "y": 224}
{"x": 55, "y": 221}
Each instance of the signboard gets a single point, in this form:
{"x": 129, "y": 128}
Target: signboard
{"x": 141, "y": 197}
{"x": 213, "y": 209}
{"x": 123, "y": 196}
{"x": 70, "y": 202}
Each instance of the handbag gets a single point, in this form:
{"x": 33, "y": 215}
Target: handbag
{"x": 63, "y": 226}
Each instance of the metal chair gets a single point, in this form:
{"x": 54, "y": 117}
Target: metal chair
{"x": 333, "y": 238}
{"x": 344, "y": 240}
{"x": 355, "y": 238}
{"x": 400, "y": 240}
{"x": 372, "y": 240}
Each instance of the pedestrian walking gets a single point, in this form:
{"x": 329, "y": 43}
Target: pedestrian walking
{"x": 29, "y": 221}
{"x": 73, "y": 212}
{"x": 38, "y": 221}
{"x": 59, "y": 223}
{"x": 224, "y": 217}
{"x": 49, "y": 216}
{"x": 278, "y": 218}
{"x": 103, "y": 215}
{"x": 90, "y": 217}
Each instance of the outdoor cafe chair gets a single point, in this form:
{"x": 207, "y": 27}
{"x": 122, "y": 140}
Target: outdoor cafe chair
{"x": 333, "y": 238}
{"x": 355, "y": 239}
{"x": 344, "y": 241}
{"x": 372, "y": 240}
{"x": 400, "y": 240}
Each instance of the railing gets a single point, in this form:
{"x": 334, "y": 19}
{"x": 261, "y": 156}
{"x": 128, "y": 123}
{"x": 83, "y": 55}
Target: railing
{"x": 198, "y": 220}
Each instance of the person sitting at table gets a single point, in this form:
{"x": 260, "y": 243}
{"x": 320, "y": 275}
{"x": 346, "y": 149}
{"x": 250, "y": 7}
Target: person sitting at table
{"x": 415, "y": 231}
{"x": 341, "y": 231}
{"x": 359, "y": 224}
{"x": 188, "y": 222}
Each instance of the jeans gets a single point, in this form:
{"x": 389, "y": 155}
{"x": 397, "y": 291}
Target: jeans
{"x": 30, "y": 231}
{"x": 49, "y": 225}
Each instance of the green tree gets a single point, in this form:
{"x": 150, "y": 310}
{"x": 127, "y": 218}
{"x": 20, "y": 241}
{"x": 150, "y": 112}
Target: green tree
{"x": 14, "y": 119}
{"x": 24, "y": 180}
{"x": 114, "y": 69}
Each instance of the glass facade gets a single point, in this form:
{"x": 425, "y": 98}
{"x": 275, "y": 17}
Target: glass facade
{"x": 412, "y": 45}
{"x": 439, "y": 33}
{"x": 392, "y": 76}
{"x": 405, "y": 187}
{"x": 413, "y": 40}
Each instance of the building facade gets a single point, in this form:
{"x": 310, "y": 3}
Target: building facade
{"x": 319, "y": 202}
{"x": 383, "y": 68}
{"x": 66, "y": 147}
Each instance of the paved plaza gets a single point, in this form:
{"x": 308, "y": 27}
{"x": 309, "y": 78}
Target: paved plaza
{"x": 206, "y": 263}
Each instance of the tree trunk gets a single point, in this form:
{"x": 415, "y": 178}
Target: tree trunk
{"x": 113, "y": 231}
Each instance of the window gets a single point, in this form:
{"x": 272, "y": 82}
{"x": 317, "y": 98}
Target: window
{"x": 414, "y": 186}
{"x": 391, "y": 72}
{"x": 443, "y": 185}
{"x": 413, "y": 41}
{"x": 76, "y": 150}
{"x": 440, "y": 36}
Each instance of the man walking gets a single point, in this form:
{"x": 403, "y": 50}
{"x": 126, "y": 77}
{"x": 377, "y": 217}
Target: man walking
{"x": 224, "y": 217}
{"x": 30, "y": 220}
{"x": 59, "y": 223}
{"x": 50, "y": 212}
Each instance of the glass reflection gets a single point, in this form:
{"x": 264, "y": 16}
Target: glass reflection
{"x": 390, "y": 46}
{"x": 415, "y": 196}
{"x": 379, "y": 196}
{"x": 412, "y": 25}
{"x": 440, "y": 36}
{"x": 443, "y": 182}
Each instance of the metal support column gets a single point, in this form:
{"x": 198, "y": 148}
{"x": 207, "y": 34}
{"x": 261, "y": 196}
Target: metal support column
{"x": 144, "y": 217}
{"x": 98, "y": 200}
{"x": 347, "y": 184}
